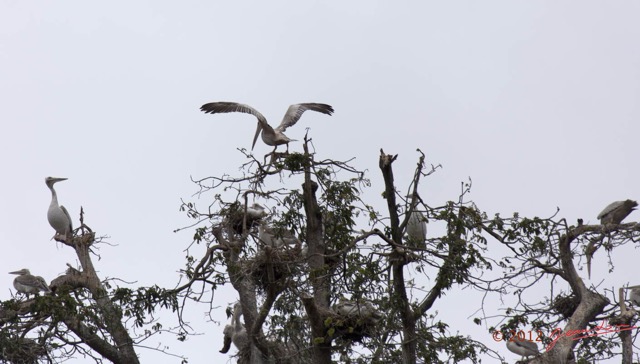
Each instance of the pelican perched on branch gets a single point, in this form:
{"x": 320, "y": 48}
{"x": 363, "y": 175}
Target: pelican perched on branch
{"x": 27, "y": 283}
{"x": 57, "y": 215}
{"x": 617, "y": 211}
{"x": 614, "y": 213}
{"x": 416, "y": 226}
{"x": 235, "y": 332}
{"x": 523, "y": 348}
{"x": 270, "y": 136}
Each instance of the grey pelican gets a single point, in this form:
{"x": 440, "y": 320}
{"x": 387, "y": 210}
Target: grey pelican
{"x": 416, "y": 226}
{"x": 57, "y": 215}
{"x": 275, "y": 239}
{"x": 524, "y": 348}
{"x": 27, "y": 283}
{"x": 617, "y": 211}
{"x": 270, "y": 136}
{"x": 235, "y": 332}
{"x": 614, "y": 213}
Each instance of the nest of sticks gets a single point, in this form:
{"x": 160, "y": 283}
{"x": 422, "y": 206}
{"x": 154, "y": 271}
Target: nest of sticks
{"x": 274, "y": 265}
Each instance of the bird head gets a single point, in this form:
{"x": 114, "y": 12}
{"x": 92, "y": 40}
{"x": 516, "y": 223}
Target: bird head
{"x": 631, "y": 205}
{"x": 21, "y": 272}
{"x": 51, "y": 180}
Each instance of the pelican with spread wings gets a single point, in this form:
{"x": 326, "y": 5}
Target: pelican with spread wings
{"x": 270, "y": 136}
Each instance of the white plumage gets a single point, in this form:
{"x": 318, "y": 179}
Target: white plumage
{"x": 362, "y": 310}
{"x": 270, "y": 136}
{"x": 417, "y": 229}
{"x": 235, "y": 332}
{"x": 58, "y": 215}
{"x": 276, "y": 239}
{"x": 416, "y": 226}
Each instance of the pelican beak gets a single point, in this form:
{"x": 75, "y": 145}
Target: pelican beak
{"x": 58, "y": 179}
{"x": 16, "y": 272}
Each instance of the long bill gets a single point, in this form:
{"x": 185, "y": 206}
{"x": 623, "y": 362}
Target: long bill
{"x": 255, "y": 137}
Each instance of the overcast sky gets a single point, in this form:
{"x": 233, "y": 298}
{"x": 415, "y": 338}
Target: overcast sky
{"x": 536, "y": 101}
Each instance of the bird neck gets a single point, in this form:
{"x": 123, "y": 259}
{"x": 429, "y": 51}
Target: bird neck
{"x": 54, "y": 197}
{"x": 236, "y": 318}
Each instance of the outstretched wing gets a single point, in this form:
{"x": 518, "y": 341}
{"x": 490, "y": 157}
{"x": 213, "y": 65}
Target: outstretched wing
{"x": 295, "y": 112}
{"x": 225, "y": 107}
{"x": 66, "y": 213}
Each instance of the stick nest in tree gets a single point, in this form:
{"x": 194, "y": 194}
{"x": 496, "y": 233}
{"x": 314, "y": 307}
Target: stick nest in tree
{"x": 283, "y": 261}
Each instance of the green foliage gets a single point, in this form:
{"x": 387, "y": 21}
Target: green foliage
{"x": 143, "y": 302}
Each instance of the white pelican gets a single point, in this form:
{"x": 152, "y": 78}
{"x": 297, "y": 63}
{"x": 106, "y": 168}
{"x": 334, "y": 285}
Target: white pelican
{"x": 235, "y": 332}
{"x": 524, "y": 348}
{"x": 617, "y": 211}
{"x": 57, "y": 215}
{"x": 270, "y": 136}
{"x": 27, "y": 283}
{"x": 416, "y": 226}
{"x": 276, "y": 239}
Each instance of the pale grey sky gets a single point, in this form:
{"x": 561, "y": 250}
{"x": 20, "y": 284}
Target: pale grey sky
{"x": 537, "y": 102}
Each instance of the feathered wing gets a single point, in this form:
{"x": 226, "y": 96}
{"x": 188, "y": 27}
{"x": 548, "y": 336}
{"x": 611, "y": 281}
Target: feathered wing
{"x": 617, "y": 211}
{"x": 33, "y": 281}
{"x": 227, "y": 339}
{"x": 530, "y": 346}
{"x": 225, "y": 107}
{"x": 612, "y": 206}
{"x": 66, "y": 213}
{"x": 417, "y": 229}
{"x": 43, "y": 284}
{"x": 295, "y": 112}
